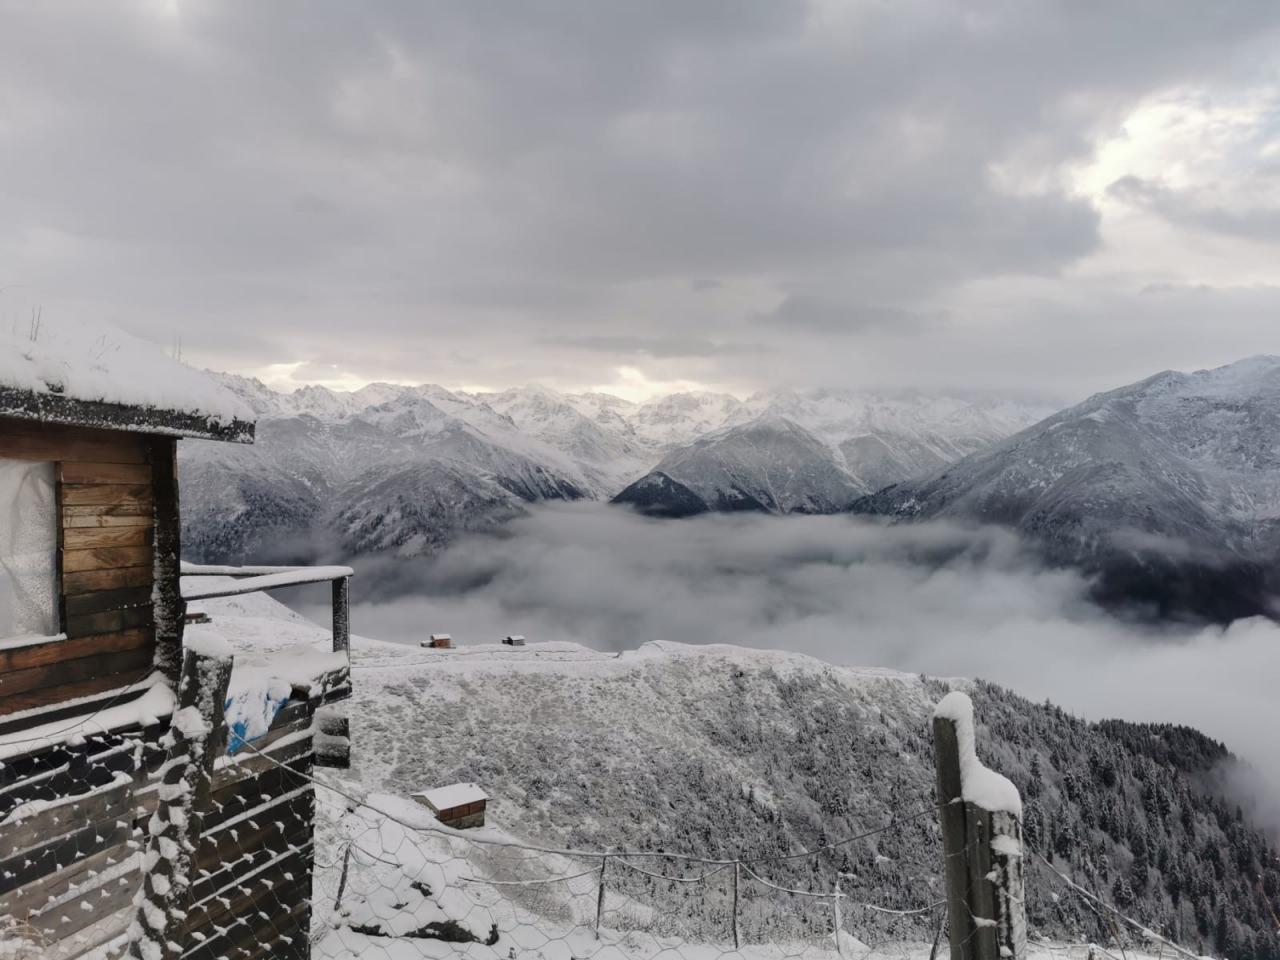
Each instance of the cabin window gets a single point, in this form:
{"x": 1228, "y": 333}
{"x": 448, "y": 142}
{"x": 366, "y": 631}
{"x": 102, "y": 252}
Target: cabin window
{"x": 28, "y": 549}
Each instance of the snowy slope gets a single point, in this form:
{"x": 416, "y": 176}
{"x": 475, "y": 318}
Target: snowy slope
{"x": 724, "y": 751}
{"x": 1168, "y": 488}
{"x": 769, "y": 464}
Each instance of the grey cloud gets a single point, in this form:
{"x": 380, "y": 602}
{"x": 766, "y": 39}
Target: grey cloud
{"x": 820, "y": 315}
{"x": 423, "y": 181}
{"x": 1259, "y": 221}
{"x": 661, "y": 347}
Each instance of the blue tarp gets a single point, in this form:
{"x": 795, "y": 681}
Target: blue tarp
{"x": 250, "y": 712}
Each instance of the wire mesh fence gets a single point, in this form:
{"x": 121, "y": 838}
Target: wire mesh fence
{"x": 379, "y": 877}
{"x": 286, "y": 848}
{"x": 391, "y": 882}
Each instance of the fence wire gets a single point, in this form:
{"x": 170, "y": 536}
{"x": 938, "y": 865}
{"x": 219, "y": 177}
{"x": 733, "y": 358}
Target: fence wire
{"x": 392, "y": 882}
{"x": 380, "y": 878}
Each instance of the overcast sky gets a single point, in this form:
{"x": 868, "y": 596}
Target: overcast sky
{"x": 643, "y": 196}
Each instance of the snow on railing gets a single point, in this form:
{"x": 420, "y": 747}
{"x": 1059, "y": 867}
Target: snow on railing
{"x": 255, "y": 579}
{"x": 285, "y": 577}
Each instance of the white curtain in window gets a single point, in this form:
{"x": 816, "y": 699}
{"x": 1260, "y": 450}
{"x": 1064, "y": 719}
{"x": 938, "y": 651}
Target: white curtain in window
{"x": 28, "y": 549}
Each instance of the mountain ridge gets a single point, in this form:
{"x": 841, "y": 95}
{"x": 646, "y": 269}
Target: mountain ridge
{"x": 335, "y": 473}
{"x": 1163, "y": 489}
{"x": 769, "y": 464}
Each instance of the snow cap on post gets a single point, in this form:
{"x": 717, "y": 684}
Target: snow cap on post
{"x": 207, "y": 642}
{"x": 979, "y": 785}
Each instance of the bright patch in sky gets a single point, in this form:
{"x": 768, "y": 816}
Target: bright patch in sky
{"x": 280, "y": 376}
{"x": 631, "y": 383}
{"x": 1185, "y": 139}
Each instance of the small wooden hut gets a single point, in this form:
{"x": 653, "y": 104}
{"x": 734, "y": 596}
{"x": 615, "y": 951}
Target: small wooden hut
{"x": 438, "y": 641}
{"x": 513, "y": 640}
{"x": 458, "y": 805}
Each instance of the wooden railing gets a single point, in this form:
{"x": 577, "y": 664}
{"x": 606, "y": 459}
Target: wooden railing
{"x": 255, "y": 579}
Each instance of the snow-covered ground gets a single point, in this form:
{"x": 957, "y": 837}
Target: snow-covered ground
{"x": 416, "y": 889}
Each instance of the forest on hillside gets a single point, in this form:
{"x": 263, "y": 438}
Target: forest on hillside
{"x": 725, "y": 758}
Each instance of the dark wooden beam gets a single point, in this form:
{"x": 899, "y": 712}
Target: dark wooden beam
{"x": 170, "y": 610}
{"x": 30, "y": 440}
{"x": 58, "y": 409}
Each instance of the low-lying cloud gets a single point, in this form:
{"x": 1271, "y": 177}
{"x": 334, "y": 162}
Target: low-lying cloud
{"x": 931, "y": 598}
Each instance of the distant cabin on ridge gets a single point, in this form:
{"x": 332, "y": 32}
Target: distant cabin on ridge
{"x": 438, "y": 641}
{"x": 96, "y": 659}
{"x": 513, "y": 640}
{"x": 459, "y": 805}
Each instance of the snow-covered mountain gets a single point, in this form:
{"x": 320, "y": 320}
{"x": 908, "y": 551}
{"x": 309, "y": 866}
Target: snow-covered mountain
{"x": 809, "y": 451}
{"x": 601, "y": 440}
{"x": 386, "y": 467}
{"x": 407, "y": 468}
{"x": 887, "y": 436}
{"x": 769, "y": 464}
{"x": 680, "y": 418}
{"x": 720, "y": 751}
{"x": 1168, "y": 488}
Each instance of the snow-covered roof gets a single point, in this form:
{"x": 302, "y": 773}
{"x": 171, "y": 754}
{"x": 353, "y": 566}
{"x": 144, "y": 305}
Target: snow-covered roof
{"x": 441, "y": 636}
{"x": 100, "y": 376}
{"x": 453, "y": 795}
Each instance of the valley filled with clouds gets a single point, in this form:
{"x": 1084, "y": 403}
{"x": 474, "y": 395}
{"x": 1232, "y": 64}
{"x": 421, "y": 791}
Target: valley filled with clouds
{"x": 933, "y": 598}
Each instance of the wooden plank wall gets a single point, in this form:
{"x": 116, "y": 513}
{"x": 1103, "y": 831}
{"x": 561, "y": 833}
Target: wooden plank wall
{"x": 106, "y": 562}
{"x": 69, "y": 871}
{"x": 69, "y": 866}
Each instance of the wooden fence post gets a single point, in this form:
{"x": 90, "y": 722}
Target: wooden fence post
{"x": 951, "y": 813}
{"x": 342, "y": 881}
{"x": 1010, "y": 881}
{"x": 737, "y": 877}
{"x": 981, "y": 816}
{"x": 332, "y": 739}
{"x": 604, "y": 867}
{"x": 342, "y": 615}
{"x": 196, "y": 736}
{"x": 836, "y": 921}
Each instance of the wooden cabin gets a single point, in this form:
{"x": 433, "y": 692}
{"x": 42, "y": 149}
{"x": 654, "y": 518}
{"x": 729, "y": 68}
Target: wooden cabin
{"x": 92, "y": 650}
{"x": 458, "y": 805}
{"x": 93, "y": 575}
{"x": 513, "y": 640}
{"x": 438, "y": 641}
